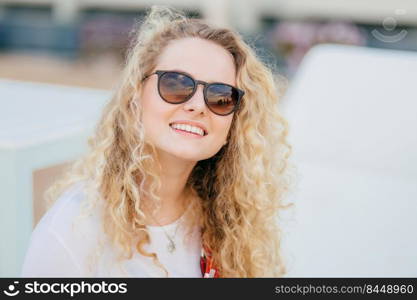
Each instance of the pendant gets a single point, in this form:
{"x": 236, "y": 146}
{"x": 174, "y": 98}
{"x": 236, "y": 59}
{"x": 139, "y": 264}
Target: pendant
{"x": 171, "y": 247}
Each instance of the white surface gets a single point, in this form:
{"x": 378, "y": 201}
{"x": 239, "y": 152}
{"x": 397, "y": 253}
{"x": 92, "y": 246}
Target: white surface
{"x": 41, "y": 125}
{"x": 32, "y": 113}
{"x": 74, "y": 244}
{"x": 353, "y": 126}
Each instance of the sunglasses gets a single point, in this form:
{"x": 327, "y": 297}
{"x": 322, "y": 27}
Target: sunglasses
{"x": 177, "y": 87}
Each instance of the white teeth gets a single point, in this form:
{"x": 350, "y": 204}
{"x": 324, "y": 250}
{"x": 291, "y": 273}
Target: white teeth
{"x": 188, "y": 128}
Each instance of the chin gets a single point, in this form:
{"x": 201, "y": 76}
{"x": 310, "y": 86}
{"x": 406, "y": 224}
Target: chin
{"x": 190, "y": 157}
{"x": 186, "y": 155}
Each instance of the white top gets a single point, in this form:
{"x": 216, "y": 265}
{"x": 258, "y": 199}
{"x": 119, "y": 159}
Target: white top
{"x": 58, "y": 248}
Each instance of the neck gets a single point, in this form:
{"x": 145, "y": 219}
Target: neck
{"x": 173, "y": 193}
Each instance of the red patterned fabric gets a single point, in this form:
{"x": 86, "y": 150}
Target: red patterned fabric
{"x": 208, "y": 270}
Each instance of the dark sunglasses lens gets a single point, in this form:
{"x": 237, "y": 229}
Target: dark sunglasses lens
{"x": 222, "y": 98}
{"x": 175, "y": 87}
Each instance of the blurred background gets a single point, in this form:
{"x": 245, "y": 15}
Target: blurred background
{"x": 60, "y": 60}
{"x": 83, "y": 42}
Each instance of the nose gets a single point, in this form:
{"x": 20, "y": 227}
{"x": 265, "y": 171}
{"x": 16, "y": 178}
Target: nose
{"x": 196, "y": 103}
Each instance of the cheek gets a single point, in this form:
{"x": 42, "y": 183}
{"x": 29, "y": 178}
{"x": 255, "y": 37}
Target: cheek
{"x": 150, "y": 99}
{"x": 153, "y": 107}
{"x": 153, "y": 115}
{"x": 223, "y": 127}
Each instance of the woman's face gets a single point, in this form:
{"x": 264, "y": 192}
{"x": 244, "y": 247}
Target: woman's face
{"x": 205, "y": 61}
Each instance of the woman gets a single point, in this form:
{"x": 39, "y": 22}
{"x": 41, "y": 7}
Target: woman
{"x": 185, "y": 176}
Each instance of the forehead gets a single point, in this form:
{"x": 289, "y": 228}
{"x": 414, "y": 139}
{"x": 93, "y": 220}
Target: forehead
{"x": 202, "y": 59}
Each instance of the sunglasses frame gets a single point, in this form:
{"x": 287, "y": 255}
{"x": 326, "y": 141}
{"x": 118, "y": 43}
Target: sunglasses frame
{"x": 196, "y": 83}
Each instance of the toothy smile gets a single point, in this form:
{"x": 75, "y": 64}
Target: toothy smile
{"x": 188, "y": 128}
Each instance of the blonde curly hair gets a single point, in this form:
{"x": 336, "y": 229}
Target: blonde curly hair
{"x": 239, "y": 191}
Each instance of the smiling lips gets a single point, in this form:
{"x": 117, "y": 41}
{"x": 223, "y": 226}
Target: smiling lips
{"x": 188, "y": 129}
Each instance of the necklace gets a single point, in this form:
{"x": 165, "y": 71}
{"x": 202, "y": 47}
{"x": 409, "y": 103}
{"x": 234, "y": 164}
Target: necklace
{"x": 171, "y": 244}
